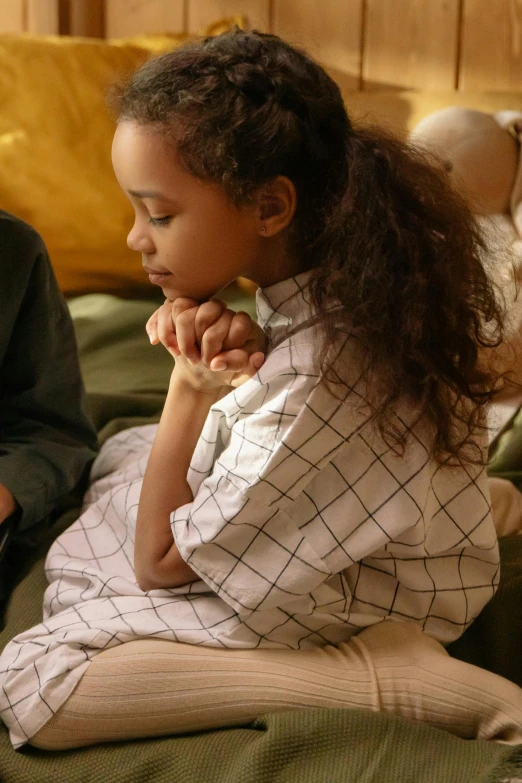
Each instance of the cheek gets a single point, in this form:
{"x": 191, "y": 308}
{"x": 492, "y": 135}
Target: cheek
{"x": 218, "y": 241}
{"x": 239, "y": 238}
{"x": 208, "y": 249}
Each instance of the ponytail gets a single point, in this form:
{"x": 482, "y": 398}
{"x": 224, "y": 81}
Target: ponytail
{"x": 403, "y": 256}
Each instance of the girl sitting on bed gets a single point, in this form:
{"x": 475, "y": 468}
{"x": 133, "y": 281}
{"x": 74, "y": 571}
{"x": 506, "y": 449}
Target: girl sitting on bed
{"x": 307, "y": 531}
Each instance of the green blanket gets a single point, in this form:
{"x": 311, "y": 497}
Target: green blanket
{"x": 126, "y": 379}
{"x": 309, "y": 746}
{"x": 506, "y": 460}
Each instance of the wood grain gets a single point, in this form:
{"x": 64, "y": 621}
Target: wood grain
{"x": 12, "y": 16}
{"x": 411, "y": 44}
{"x": 373, "y": 44}
{"x": 42, "y": 17}
{"x": 135, "y": 17}
{"x": 330, "y": 30}
{"x": 87, "y": 17}
{"x": 491, "y": 49}
{"x": 203, "y": 12}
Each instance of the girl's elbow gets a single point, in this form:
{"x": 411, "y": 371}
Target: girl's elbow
{"x": 149, "y": 570}
{"x": 146, "y": 580}
{"x": 166, "y": 574}
{"x": 147, "y": 574}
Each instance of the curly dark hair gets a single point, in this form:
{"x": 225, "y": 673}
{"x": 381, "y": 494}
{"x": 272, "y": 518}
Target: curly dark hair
{"x": 377, "y": 222}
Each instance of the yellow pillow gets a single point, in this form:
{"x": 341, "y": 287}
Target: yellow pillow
{"x": 55, "y": 166}
{"x": 158, "y": 44}
{"x": 55, "y": 142}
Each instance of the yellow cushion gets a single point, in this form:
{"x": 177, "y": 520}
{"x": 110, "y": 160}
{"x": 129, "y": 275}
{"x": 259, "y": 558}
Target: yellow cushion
{"x": 55, "y": 166}
{"x": 55, "y": 142}
{"x": 159, "y": 44}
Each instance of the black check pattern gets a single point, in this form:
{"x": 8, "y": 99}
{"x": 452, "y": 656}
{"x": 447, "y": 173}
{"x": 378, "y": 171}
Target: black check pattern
{"x": 305, "y": 527}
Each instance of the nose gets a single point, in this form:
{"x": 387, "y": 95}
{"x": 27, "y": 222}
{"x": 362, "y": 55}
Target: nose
{"x": 139, "y": 240}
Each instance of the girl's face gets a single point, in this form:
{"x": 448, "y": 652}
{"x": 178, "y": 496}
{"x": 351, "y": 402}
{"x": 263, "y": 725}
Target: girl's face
{"x": 193, "y": 240}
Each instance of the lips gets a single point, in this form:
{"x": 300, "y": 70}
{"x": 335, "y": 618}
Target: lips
{"x": 155, "y": 277}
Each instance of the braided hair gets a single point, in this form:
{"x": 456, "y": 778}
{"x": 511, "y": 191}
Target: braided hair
{"x": 376, "y": 222}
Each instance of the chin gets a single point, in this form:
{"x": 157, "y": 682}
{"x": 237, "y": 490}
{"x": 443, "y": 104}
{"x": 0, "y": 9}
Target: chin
{"x": 169, "y": 292}
{"x": 175, "y": 293}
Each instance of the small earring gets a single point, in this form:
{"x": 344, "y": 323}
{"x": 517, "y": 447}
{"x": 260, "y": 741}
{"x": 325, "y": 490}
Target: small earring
{"x": 263, "y": 228}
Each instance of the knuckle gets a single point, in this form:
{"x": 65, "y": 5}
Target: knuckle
{"x": 243, "y": 317}
{"x": 184, "y": 302}
{"x": 180, "y": 305}
{"x": 212, "y": 306}
{"x": 211, "y": 335}
{"x": 206, "y": 317}
{"x": 186, "y": 317}
{"x": 210, "y": 346}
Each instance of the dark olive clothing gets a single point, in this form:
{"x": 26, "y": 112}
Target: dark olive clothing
{"x": 46, "y": 437}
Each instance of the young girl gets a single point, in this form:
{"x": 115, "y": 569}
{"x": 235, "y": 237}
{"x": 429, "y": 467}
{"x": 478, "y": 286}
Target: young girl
{"x": 329, "y": 517}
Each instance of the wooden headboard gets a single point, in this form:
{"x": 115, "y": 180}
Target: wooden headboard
{"x": 419, "y": 44}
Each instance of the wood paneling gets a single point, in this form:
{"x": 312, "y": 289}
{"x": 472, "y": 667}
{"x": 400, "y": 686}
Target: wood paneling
{"x": 330, "y": 30}
{"x": 411, "y": 43}
{"x": 491, "y": 51}
{"x": 86, "y": 17}
{"x": 202, "y": 12}
{"x": 415, "y": 44}
{"x": 12, "y": 16}
{"x": 42, "y": 17}
{"x": 132, "y": 17}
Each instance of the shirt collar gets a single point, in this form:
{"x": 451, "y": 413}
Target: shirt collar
{"x": 282, "y": 308}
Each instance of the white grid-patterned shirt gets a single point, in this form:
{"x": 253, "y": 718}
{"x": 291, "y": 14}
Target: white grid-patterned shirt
{"x": 305, "y": 527}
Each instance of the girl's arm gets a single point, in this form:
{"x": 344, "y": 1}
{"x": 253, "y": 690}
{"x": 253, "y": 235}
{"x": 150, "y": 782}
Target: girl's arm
{"x": 157, "y": 561}
{"x": 192, "y": 391}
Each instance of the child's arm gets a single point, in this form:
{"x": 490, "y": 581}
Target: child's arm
{"x": 187, "y": 331}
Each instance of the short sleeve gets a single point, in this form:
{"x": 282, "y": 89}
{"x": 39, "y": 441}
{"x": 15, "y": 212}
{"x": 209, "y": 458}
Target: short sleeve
{"x": 251, "y": 555}
{"x": 237, "y": 534}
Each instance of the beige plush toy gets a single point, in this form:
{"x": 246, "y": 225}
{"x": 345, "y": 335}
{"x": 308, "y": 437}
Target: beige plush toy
{"x": 482, "y": 155}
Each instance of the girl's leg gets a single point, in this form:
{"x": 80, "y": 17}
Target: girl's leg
{"x": 154, "y": 687}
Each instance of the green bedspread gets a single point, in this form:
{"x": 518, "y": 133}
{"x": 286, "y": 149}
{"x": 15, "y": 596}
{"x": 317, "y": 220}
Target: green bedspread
{"x": 126, "y": 379}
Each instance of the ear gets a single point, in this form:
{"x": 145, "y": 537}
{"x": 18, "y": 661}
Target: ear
{"x": 277, "y": 203}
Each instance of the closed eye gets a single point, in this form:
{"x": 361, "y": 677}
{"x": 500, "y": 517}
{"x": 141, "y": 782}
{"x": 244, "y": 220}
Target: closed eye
{"x": 160, "y": 221}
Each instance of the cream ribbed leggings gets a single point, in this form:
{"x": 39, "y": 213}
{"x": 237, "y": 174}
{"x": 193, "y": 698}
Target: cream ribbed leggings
{"x": 154, "y": 687}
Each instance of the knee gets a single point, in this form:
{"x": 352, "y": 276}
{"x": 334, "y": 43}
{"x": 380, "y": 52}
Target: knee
{"x": 407, "y": 640}
{"x": 42, "y": 740}
{"x": 54, "y": 735}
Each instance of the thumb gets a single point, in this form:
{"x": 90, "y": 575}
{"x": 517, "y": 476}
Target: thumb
{"x": 151, "y": 327}
{"x": 254, "y": 363}
{"x": 237, "y": 360}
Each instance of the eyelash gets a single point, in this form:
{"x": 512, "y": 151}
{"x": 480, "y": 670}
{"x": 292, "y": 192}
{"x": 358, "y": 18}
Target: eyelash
{"x": 162, "y": 221}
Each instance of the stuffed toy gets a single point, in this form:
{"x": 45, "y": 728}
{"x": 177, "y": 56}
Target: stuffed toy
{"x": 482, "y": 155}
{"x": 479, "y": 151}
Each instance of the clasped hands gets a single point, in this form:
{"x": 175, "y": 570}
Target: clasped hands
{"x": 214, "y": 347}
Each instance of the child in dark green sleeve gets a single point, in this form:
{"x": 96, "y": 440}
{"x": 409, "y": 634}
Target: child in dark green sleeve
{"x": 46, "y": 437}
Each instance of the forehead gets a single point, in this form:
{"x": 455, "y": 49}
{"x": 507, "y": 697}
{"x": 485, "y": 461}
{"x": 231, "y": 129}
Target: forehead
{"x": 144, "y": 160}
